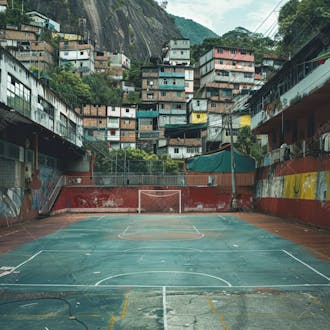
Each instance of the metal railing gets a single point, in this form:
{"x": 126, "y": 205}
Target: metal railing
{"x": 47, "y": 206}
{"x": 179, "y": 180}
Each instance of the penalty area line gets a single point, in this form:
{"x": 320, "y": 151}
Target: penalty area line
{"x": 306, "y": 265}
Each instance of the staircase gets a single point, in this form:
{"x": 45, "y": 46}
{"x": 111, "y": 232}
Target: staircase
{"x": 47, "y": 207}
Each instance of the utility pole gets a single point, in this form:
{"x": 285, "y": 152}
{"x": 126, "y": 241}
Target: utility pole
{"x": 232, "y": 165}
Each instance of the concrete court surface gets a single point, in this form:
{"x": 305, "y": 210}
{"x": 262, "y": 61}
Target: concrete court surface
{"x": 195, "y": 271}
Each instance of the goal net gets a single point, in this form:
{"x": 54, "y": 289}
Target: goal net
{"x": 159, "y": 201}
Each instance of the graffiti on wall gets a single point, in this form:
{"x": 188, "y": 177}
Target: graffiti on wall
{"x": 49, "y": 177}
{"x": 10, "y": 202}
{"x": 305, "y": 186}
{"x": 97, "y": 199}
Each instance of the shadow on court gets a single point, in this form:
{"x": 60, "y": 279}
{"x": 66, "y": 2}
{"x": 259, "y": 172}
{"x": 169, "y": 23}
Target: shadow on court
{"x": 163, "y": 272}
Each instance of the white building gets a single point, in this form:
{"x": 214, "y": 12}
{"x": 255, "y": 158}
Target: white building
{"x": 177, "y": 52}
{"x": 22, "y": 92}
{"x": 79, "y": 54}
{"x": 43, "y": 21}
{"x": 3, "y": 5}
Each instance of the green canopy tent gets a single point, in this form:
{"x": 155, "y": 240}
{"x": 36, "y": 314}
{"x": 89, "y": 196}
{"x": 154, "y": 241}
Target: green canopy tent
{"x": 219, "y": 162}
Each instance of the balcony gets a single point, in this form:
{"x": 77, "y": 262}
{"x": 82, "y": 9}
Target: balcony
{"x": 172, "y": 112}
{"x": 309, "y": 84}
{"x": 146, "y": 114}
{"x": 172, "y": 86}
{"x": 153, "y": 135}
{"x": 171, "y": 74}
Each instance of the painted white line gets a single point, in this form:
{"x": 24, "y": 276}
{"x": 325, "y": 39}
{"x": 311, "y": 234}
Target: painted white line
{"x": 222, "y": 218}
{"x": 28, "y": 305}
{"x": 8, "y": 234}
{"x": 91, "y": 230}
{"x": 92, "y": 286}
{"x": 124, "y": 232}
{"x": 198, "y": 232}
{"x": 164, "y": 309}
{"x": 308, "y": 266}
{"x": 100, "y": 218}
{"x": 155, "y": 250}
{"x": 162, "y": 272}
{"x": 21, "y": 264}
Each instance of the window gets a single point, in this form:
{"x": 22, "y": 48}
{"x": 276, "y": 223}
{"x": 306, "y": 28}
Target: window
{"x": 178, "y": 94}
{"x": 243, "y": 52}
{"x": 198, "y": 116}
{"x": 162, "y": 106}
{"x": 150, "y": 96}
{"x": 81, "y": 53}
{"x": 165, "y": 81}
{"x": 220, "y": 50}
{"x": 213, "y": 105}
{"x": 176, "y": 150}
{"x": 198, "y": 103}
{"x": 178, "y": 106}
{"x": 192, "y": 150}
{"x": 247, "y": 74}
{"x": 127, "y": 110}
{"x": 223, "y": 73}
{"x": 113, "y": 120}
{"x": 18, "y": 96}
{"x": 112, "y": 132}
{"x": 232, "y": 51}
{"x": 163, "y": 93}
{"x": 126, "y": 121}
{"x": 234, "y": 63}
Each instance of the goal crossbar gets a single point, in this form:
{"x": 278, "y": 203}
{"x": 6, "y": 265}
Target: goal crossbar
{"x": 158, "y": 195}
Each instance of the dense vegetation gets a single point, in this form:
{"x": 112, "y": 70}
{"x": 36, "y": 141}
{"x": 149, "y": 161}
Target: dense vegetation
{"x": 131, "y": 161}
{"x": 239, "y": 37}
{"x": 299, "y": 21}
{"x": 248, "y": 144}
{"x": 193, "y": 31}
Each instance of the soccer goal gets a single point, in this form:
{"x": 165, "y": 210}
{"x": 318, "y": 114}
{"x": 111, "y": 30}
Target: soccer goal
{"x": 160, "y": 201}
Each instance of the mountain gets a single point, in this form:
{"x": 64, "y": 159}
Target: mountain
{"x": 192, "y": 30}
{"x": 139, "y": 28}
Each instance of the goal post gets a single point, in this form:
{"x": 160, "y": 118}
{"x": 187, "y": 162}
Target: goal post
{"x": 159, "y": 201}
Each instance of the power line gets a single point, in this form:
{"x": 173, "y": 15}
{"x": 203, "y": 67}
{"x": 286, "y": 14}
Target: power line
{"x": 264, "y": 21}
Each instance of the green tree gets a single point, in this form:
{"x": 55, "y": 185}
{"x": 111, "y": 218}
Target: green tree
{"x": 299, "y": 21}
{"x": 248, "y": 144}
{"x": 13, "y": 16}
{"x": 104, "y": 89}
{"x": 134, "y": 74}
{"x": 131, "y": 161}
{"x": 238, "y": 37}
{"x": 71, "y": 88}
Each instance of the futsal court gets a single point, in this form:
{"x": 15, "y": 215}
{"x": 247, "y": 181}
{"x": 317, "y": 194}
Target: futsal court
{"x": 154, "y": 271}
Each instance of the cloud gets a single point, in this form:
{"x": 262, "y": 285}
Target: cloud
{"x": 222, "y": 16}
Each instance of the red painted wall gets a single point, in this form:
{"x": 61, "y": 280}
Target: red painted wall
{"x": 126, "y": 198}
{"x": 307, "y": 211}
{"x": 314, "y": 212}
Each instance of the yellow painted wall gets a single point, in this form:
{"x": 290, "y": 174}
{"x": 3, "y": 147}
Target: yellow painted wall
{"x": 245, "y": 120}
{"x": 201, "y": 120}
{"x": 300, "y": 186}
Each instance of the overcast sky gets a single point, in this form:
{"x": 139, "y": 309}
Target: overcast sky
{"x": 222, "y": 16}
